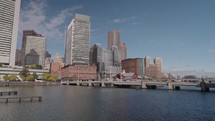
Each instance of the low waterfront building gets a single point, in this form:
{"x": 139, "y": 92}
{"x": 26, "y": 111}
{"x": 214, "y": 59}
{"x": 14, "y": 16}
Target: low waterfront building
{"x": 153, "y": 71}
{"x": 127, "y": 76}
{"x": 79, "y": 72}
{"x": 133, "y": 65}
{"x": 17, "y": 70}
{"x": 190, "y": 78}
{"x": 56, "y": 65}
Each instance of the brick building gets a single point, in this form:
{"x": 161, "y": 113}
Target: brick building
{"x": 133, "y": 65}
{"x": 56, "y": 65}
{"x": 79, "y": 72}
{"x": 153, "y": 71}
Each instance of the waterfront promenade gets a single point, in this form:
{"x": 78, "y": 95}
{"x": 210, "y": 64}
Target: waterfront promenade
{"x": 22, "y": 83}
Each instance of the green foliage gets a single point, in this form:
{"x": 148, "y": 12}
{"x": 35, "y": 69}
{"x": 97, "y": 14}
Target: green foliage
{"x": 45, "y": 76}
{"x": 13, "y": 78}
{"x": 1, "y": 65}
{"x": 24, "y": 73}
{"x": 52, "y": 77}
{"x": 26, "y": 67}
{"x": 6, "y": 77}
{"x": 35, "y": 75}
{"x": 49, "y": 77}
{"x": 30, "y": 78}
{"x": 70, "y": 78}
{"x": 34, "y": 66}
{"x": 10, "y": 77}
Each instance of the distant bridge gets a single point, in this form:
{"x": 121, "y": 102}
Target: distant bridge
{"x": 141, "y": 83}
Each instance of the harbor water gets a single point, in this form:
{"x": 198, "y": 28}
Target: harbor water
{"x": 72, "y": 103}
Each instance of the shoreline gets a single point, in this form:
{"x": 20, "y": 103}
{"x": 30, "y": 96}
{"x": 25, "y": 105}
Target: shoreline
{"x": 8, "y": 84}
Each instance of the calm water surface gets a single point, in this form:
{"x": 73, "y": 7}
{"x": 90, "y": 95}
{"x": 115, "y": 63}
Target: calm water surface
{"x": 71, "y": 103}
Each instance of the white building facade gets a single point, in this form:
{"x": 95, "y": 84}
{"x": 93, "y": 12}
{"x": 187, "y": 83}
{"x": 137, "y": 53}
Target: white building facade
{"x": 9, "y": 15}
{"x": 35, "y": 50}
{"x": 77, "y": 45}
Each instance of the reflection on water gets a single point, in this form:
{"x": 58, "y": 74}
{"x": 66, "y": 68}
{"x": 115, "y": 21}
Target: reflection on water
{"x": 71, "y": 103}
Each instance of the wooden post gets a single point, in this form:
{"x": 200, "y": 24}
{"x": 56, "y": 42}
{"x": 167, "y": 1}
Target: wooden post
{"x": 103, "y": 84}
{"x": 89, "y": 83}
{"x": 40, "y": 99}
{"x": 143, "y": 84}
{"x": 170, "y": 86}
{"x": 15, "y": 93}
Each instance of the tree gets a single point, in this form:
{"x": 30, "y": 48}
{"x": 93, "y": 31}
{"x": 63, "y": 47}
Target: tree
{"x": 39, "y": 67}
{"x": 26, "y": 67}
{"x": 6, "y": 77}
{"x": 24, "y": 73}
{"x": 52, "y": 77}
{"x": 35, "y": 66}
{"x": 13, "y": 78}
{"x": 49, "y": 77}
{"x": 35, "y": 75}
{"x": 1, "y": 65}
{"x": 45, "y": 76}
{"x": 70, "y": 78}
{"x": 30, "y": 78}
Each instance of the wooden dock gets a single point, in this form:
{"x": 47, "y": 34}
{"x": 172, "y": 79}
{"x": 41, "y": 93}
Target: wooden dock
{"x": 8, "y": 93}
{"x": 21, "y": 99}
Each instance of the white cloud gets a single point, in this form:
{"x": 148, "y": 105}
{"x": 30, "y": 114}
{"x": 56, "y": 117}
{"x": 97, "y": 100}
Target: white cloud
{"x": 34, "y": 17}
{"x": 122, "y": 20}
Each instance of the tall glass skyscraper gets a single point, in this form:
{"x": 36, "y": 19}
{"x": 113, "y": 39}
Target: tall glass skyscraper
{"x": 77, "y": 45}
{"x": 9, "y": 20}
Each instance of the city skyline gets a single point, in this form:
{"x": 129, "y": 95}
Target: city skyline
{"x": 180, "y": 32}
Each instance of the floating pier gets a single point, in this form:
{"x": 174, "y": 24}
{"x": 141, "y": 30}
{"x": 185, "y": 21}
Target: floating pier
{"x": 21, "y": 99}
{"x": 8, "y": 93}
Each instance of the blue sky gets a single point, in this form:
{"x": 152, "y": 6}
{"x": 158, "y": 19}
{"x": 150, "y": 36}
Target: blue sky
{"x": 181, "y": 32}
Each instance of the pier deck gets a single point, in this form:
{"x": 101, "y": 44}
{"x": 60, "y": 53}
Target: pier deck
{"x": 8, "y": 93}
{"x": 21, "y": 99}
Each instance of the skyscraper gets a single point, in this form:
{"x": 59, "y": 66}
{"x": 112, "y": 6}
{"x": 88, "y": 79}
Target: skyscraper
{"x": 123, "y": 50}
{"x": 113, "y": 39}
{"x": 27, "y": 33}
{"x": 19, "y": 56}
{"x": 101, "y": 57}
{"x": 35, "y": 50}
{"x": 77, "y": 45}
{"x": 147, "y": 61}
{"x": 158, "y": 62}
{"x": 9, "y": 15}
{"x": 24, "y": 37}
